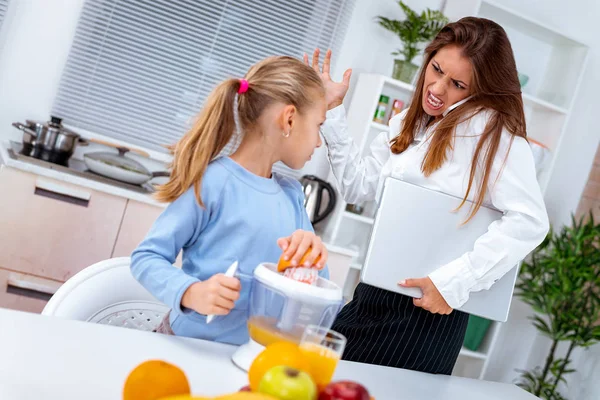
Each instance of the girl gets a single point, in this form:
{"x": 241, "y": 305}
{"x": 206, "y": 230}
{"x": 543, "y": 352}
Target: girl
{"x": 226, "y": 209}
{"x": 463, "y": 134}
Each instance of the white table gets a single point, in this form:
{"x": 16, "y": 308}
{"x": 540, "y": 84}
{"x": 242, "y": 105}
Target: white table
{"x": 51, "y": 358}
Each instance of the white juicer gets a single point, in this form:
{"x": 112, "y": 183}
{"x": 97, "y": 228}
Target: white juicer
{"x": 280, "y": 308}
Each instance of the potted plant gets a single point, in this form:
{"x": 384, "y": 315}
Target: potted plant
{"x": 414, "y": 30}
{"x": 561, "y": 281}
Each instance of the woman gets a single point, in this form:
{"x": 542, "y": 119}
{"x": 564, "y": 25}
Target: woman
{"x": 464, "y": 134}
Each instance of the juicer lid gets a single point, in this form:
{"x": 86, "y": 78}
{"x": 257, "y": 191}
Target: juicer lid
{"x": 323, "y": 290}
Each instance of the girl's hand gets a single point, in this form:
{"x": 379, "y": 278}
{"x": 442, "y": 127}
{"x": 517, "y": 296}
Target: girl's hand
{"x": 432, "y": 299}
{"x": 334, "y": 91}
{"x": 296, "y": 245}
{"x": 216, "y": 295}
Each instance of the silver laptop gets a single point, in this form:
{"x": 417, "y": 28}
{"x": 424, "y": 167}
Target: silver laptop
{"x": 416, "y": 232}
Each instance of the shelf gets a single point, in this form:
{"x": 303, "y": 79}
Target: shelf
{"x": 527, "y": 98}
{"x": 359, "y": 218}
{"x": 533, "y": 27}
{"x": 378, "y": 126}
{"x": 472, "y": 354}
{"x": 356, "y": 266}
{"x": 407, "y": 87}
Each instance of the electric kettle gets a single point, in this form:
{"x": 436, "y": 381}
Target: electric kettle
{"x": 314, "y": 202}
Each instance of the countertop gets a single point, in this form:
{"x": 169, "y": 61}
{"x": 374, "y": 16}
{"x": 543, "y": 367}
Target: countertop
{"x": 52, "y": 358}
{"x": 77, "y": 175}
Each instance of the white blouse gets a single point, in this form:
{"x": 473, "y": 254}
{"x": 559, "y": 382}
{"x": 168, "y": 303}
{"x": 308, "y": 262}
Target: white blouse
{"x": 512, "y": 188}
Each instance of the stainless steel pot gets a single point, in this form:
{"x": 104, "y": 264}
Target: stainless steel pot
{"x": 49, "y": 141}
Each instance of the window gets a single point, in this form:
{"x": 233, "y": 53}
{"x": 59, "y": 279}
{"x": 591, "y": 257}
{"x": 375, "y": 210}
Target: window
{"x": 3, "y": 8}
{"x": 139, "y": 71}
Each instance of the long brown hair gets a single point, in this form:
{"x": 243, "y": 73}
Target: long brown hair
{"x": 276, "y": 79}
{"x": 495, "y": 86}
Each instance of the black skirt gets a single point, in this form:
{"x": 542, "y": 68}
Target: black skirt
{"x": 386, "y": 328}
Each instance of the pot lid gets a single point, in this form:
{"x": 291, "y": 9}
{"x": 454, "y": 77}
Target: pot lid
{"x": 54, "y": 123}
{"x": 118, "y": 160}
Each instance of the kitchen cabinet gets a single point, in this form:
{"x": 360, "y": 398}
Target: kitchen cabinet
{"x": 137, "y": 221}
{"x": 25, "y": 292}
{"x": 52, "y": 229}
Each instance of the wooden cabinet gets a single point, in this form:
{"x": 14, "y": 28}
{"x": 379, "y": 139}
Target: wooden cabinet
{"x": 25, "y": 292}
{"x": 53, "y": 229}
{"x": 50, "y": 230}
{"x": 137, "y": 221}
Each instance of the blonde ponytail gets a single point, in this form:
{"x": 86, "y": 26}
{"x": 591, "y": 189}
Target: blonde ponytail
{"x": 209, "y": 135}
{"x": 276, "y": 79}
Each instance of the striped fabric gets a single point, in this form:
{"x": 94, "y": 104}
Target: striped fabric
{"x": 3, "y": 9}
{"x": 385, "y": 328}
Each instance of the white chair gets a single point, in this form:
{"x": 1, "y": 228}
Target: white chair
{"x": 107, "y": 293}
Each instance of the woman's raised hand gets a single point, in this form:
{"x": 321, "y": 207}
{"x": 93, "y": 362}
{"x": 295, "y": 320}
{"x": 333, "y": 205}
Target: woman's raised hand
{"x": 334, "y": 91}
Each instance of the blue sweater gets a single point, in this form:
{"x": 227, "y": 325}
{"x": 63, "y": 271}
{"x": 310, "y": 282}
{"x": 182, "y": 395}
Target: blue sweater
{"x": 243, "y": 217}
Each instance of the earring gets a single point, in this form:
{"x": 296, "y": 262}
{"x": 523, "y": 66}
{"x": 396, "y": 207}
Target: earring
{"x": 286, "y": 134}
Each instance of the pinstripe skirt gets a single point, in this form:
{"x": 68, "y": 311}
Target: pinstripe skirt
{"x": 386, "y": 328}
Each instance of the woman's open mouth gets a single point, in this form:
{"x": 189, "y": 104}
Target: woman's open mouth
{"x": 433, "y": 102}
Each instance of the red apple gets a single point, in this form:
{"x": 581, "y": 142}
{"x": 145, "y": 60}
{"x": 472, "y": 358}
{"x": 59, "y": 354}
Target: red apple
{"x": 245, "y": 389}
{"x": 344, "y": 390}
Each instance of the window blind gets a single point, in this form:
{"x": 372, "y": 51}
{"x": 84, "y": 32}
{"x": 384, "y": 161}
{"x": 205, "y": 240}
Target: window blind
{"x": 139, "y": 71}
{"x": 3, "y": 8}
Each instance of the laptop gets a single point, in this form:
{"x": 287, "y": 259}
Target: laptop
{"x": 416, "y": 231}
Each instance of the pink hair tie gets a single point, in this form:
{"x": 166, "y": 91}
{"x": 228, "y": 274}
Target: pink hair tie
{"x": 243, "y": 86}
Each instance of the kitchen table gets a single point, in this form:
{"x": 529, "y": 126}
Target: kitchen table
{"x": 45, "y": 357}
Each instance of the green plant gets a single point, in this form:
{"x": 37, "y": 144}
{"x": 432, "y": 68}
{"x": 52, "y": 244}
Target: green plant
{"x": 415, "y": 29}
{"x": 561, "y": 281}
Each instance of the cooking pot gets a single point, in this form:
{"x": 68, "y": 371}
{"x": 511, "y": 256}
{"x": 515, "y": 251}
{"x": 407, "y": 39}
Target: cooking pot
{"x": 49, "y": 141}
{"x": 118, "y": 166}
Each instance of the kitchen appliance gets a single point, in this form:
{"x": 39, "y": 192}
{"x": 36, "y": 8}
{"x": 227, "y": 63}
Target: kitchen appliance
{"x": 49, "y": 141}
{"x": 281, "y": 308}
{"x": 118, "y": 166}
{"x": 316, "y": 207}
{"x": 433, "y": 236}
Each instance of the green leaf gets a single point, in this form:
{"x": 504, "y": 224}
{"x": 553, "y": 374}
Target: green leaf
{"x": 541, "y": 325}
{"x": 414, "y": 29}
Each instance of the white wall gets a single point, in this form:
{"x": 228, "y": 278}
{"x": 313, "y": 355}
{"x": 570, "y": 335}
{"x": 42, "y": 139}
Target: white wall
{"x": 35, "y": 38}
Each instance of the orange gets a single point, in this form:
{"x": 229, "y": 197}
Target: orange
{"x": 282, "y": 265}
{"x": 155, "y": 379}
{"x": 279, "y": 353}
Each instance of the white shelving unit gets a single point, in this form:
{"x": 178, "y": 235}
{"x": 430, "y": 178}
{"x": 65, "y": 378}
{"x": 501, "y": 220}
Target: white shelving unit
{"x": 554, "y": 64}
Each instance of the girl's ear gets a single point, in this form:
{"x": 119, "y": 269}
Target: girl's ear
{"x": 288, "y": 117}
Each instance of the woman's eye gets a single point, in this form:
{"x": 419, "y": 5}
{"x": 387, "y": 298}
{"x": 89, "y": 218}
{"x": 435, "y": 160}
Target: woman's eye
{"x": 458, "y": 85}
{"x": 436, "y": 68}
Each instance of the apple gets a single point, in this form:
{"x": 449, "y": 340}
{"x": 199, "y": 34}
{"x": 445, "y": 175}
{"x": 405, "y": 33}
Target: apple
{"x": 245, "y": 389}
{"x": 286, "y": 383}
{"x": 344, "y": 390}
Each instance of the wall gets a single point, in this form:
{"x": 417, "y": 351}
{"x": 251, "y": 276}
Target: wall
{"x": 590, "y": 200}
{"x": 36, "y": 39}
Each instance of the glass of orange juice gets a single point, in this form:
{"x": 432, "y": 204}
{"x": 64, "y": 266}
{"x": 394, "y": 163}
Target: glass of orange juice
{"x": 323, "y": 348}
